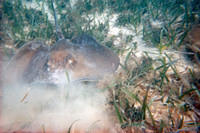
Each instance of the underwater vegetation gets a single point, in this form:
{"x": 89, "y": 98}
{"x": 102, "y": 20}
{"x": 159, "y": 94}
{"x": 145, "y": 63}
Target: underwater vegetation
{"x": 159, "y": 93}
{"x": 175, "y": 18}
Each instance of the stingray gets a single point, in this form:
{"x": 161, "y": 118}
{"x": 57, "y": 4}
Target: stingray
{"x": 82, "y": 58}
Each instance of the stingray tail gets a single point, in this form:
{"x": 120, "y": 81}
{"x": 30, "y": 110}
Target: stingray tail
{"x": 59, "y": 33}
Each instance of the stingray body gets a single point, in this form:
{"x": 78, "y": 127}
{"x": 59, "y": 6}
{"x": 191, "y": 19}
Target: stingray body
{"x": 81, "y": 58}
{"x": 28, "y": 64}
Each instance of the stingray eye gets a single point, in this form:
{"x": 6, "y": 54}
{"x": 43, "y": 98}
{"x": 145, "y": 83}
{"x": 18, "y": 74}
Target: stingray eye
{"x": 70, "y": 61}
{"x": 49, "y": 65}
{"x": 52, "y": 64}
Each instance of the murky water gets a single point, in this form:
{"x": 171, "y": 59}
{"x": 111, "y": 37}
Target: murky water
{"x": 53, "y": 54}
{"x": 45, "y": 86}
